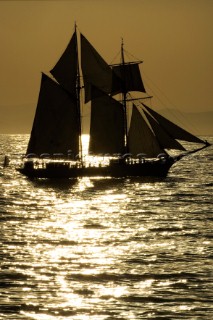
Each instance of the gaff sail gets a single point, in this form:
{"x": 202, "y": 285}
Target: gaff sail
{"x": 55, "y": 128}
{"x": 107, "y": 125}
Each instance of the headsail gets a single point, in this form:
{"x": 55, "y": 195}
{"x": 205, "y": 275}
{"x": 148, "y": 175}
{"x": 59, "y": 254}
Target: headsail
{"x": 55, "y": 128}
{"x": 141, "y": 139}
{"x": 162, "y": 136}
{"x": 107, "y": 124}
{"x": 65, "y": 70}
{"x": 172, "y": 129}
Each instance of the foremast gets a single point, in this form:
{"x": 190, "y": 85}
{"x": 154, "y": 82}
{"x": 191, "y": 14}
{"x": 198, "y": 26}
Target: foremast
{"x": 131, "y": 81}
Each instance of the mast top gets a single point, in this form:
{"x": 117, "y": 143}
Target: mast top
{"x": 122, "y": 50}
{"x": 122, "y": 43}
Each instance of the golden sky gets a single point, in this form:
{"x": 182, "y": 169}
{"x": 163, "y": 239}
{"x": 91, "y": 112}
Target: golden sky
{"x": 172, "y": 37}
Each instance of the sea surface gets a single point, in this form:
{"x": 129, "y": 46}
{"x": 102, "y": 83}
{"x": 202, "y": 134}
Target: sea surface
{"x": 96, "y": 249}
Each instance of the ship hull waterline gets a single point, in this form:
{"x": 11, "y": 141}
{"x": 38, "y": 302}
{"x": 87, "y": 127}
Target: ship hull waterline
{"x": 156, "y": 168}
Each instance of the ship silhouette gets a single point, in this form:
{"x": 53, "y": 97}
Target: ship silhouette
{"x": 127, "y": 137}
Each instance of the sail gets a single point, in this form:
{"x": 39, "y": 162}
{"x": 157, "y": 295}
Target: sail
{"x": 56, "y": 125}
{"x": 172, "y": 129}
{"x": 141, "y": 139}
{"x": 163, "y": 138}
{"x": 65, "y": 70}
{"x": 107, "y": 125}
{"x": 130, "y": 76}
{"x": 96, "y": 72}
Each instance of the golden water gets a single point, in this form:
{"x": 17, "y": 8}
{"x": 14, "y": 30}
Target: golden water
{"x": 94, "y": 249}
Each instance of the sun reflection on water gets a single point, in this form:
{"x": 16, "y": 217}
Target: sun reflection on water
{"x": 98, "y": 249}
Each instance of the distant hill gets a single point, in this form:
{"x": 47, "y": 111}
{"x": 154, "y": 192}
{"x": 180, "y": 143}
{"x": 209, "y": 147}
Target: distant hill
{"x": 19, "y": 119}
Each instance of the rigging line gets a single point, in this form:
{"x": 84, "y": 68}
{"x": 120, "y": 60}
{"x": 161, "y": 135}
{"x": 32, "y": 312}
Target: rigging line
{"x": 117, "y": 55}
{"x": 132, "y": 97}
{"x": 179, "y": 118}
{"x": 132, "y": 56}
{"x": 129, "y": 56}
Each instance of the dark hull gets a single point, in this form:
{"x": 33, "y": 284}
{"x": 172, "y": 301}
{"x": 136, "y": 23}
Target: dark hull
{"x": 155, "y": 168}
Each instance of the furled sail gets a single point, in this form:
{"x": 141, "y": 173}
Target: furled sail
{"x": 130, "y": 76}
{"x": 172, "y": 129}
{"x": 107, "y": 125}
{"x": 65, "y": 70}
{"x": 96, "y": 72}
{"x": 141, "y": 139}
{"x": 55, "y": 128}
{"x": 162, "y": 136}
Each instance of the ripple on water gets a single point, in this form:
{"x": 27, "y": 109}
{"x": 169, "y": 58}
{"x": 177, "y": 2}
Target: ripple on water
{"x": 107, "y": 248}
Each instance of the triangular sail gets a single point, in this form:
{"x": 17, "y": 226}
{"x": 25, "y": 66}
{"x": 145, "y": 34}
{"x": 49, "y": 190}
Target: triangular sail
{"x": 107, "y": 125}
{"x": 163, "y": 138}
{"x": 55, "y": 128}
{"x": 172, "y": 129}
{"x": 65, "y": 70}
{"x": 130, "y": 76}
{"x": 141, "y": 139}
{"x": 96, "y": 72}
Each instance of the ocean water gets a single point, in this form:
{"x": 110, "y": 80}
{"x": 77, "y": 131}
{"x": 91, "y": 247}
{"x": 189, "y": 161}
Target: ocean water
{"x": 96, "y": 249}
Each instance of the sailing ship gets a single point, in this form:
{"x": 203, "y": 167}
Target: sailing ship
{"x": 127, "y": 137}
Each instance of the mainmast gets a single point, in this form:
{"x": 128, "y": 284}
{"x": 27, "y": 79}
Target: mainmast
{"x": 124, "y": 95}
{"x": 78, "y": 90}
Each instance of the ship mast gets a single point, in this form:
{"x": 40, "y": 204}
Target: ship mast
{"x": 78, "y": 90}
{"x": 124, "y": 95}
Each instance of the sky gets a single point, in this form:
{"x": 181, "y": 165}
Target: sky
{"x": 172, "y": 37}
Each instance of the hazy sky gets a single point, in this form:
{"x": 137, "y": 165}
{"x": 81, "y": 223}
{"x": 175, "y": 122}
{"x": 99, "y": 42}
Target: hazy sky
{"x": 173, "y": 38}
